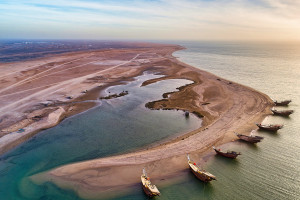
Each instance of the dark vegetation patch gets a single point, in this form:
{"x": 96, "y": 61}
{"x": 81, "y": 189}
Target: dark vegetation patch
{"x": 113, "y": 96}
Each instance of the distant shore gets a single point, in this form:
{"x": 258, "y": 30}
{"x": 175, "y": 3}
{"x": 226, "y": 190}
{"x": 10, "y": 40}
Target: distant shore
{"x": 226, "y": 107}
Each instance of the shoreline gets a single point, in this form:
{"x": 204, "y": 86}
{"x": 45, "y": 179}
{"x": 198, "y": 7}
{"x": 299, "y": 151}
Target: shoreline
{"x": 34, "y": 117}
{"x": 232, "y": 107}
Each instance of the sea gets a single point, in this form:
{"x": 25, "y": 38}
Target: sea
{"x": 267, "y": 170}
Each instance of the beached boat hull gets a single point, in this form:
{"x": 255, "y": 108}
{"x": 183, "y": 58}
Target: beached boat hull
{"x": 200, "y": 174}
{"x": 250, "y": 139}
{"x": 282, "y": 103}
{"x": 149, "y": 189}
{"x": 227, "y": 155}
{"x": 148, "y": 192}
{"x": 202, "y": 177}
{"x": 269, "y": 128}
{"x": 282, "y": 113}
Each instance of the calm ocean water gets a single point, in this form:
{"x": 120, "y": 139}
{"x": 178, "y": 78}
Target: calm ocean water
{"x": 268, "y": 170}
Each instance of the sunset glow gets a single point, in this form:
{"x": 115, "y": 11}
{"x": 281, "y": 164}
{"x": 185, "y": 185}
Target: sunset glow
{"x": 145, "y": 19}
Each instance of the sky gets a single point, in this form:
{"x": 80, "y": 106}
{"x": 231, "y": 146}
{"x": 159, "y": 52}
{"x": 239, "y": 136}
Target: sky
{"x": 262, "y": 20}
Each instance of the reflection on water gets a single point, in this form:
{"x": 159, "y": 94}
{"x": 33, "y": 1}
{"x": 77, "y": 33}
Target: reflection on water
{"x": 117, "y": 126}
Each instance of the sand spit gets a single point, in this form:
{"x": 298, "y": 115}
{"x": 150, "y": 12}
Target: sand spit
{"x": 226, "y": 107}
{"x": 8, "y": 141}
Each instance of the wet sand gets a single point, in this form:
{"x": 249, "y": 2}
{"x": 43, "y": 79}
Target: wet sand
{"x": 35, "y": 95}
{"x": 226, "y": 107}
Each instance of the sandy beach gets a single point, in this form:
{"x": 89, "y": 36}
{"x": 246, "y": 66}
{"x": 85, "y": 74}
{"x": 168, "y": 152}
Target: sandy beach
{"x": 35, "y": 95}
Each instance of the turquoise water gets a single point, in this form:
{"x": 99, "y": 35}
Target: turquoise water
{"x": 117, "y": 126}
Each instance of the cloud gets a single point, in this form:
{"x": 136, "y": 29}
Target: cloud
{"x": 157, "y": 19}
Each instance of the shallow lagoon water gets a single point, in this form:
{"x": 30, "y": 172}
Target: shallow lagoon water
{"x": 117, "y": 126}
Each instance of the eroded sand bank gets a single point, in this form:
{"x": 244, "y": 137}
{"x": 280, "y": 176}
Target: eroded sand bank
{"x": 227, "y": 108}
